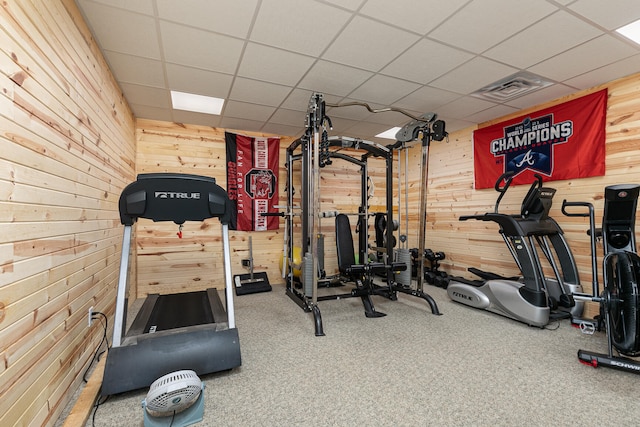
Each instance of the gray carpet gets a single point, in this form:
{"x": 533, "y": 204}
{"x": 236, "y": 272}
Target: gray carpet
{"x": 410, "y": 368}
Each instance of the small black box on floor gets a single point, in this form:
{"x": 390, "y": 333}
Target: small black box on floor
{"x": 251, "y": 283}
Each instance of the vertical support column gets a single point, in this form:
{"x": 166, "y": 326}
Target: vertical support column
{"x": 120, "y": 318}
{"x": 316, "y": 116}
{"x": 426, "y": 140}
{"x": 228, "y": 281}
{"x": 363, "y": 236}
{"x": 389, "y": 201}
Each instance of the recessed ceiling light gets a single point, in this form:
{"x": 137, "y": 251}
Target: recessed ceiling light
{"x": 631, "y": 31}
{"x": 196, "y": 103}
{"x": 389, "y": 133}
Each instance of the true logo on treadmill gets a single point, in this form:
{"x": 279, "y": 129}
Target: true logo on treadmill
{"x": 176, "y": 195}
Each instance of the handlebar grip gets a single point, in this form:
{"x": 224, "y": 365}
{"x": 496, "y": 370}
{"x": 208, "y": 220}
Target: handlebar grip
{"x": 272, "y": 214}
{"x": 506, "y": 177}
{"x": 566, "y": 204}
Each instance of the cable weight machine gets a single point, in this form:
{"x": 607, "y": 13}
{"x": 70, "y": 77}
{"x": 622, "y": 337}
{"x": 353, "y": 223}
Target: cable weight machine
{"x": 314, "y": 150}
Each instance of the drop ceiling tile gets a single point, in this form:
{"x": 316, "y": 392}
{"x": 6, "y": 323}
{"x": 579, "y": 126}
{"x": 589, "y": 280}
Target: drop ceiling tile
{"x": 466, "y": 31}
{"x": 297, "y": 100}
{"x": 149, "y": 112}
{"x": 607, "y": 73}
{"x": 135, "y": 69}
{"x": 425, "y": 61}
{"x": 198, "y": 48}
{"x": 256, "y": 92}
{"x": 473, "y": 75}
{"x": 283, "y": 130}
{"x": 340, "y": 125}
{"x": 610, "y": 14}
{"x": 369, "y": 45}
{"x": 384, "y": 90}
{"x": 230, "y": 17}
{"x": 240, "y": 125}
{"x": 243, "y": 110}
{"x": 554, "y": 34}
{"x": 139, "y": 6}
{"x": 289, "y": 117}
{"x": 492, "y": 113}
{"x": 273, "y": 65}
{"x": 464, "y": 107}
{"x": 454, "y": 125}
{"x": 393, "y": 118}
{"x": 329, "y": 77}
{"x": 200, "y": 82}
{"x": 581, "y": 59}
{"x": 417, "y": 16}
{"x": 146, "y": 95}
{"x": 426, "y": 99}
{"x": 348, "y": 4}
{"x": 301, "y": 26}
{"x": 181, "y": 116}
{"x": 541, "y": 96}
{"x": 121, "y": 31}
{"x": 366, "y": 128}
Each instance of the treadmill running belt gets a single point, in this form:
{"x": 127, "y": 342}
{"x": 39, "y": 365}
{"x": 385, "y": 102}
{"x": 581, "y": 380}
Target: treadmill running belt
{"x": 179, "y": 311}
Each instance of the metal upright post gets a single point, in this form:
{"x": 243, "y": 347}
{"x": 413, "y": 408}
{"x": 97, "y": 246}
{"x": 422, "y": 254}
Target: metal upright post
{"x": 315, "y": 191}
{"x": 426, "y": 140}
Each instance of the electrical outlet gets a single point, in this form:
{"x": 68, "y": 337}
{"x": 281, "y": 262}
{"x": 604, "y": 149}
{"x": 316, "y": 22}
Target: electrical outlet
{"x": 90, "y": 318}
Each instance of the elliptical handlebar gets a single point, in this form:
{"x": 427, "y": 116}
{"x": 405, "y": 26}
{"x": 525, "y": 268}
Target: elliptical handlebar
{"x": 507, "y": 177}
{"x": 566, "y": 204}
{"x": 592, "y": 236}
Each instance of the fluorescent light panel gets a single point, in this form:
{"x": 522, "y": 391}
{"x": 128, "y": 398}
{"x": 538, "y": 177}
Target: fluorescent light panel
{"x": 631, "y": 31}
{"x": 196, "y": 103}
{"x": 389, "y": 133}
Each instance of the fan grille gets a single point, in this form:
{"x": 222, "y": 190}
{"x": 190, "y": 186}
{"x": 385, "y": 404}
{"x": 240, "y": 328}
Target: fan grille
{"x": 176, "y": 391}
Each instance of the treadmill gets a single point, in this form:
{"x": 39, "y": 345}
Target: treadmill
{"x": 192, "y": 330}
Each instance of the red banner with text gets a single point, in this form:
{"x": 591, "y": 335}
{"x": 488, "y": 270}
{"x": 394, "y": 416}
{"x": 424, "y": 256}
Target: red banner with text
{"x": 561, "y": 142}
{"x": 252, "y": 181}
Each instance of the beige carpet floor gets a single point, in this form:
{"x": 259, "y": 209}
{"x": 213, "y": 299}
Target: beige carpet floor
{"x": 410, "y": 368}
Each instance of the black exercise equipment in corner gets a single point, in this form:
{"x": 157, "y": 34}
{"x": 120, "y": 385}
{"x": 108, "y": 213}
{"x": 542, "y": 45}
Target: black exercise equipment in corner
{"x": 620, "y": 298}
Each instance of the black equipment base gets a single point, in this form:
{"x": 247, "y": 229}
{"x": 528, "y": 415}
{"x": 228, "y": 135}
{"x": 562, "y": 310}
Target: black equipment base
{"x": 598, "y": 359}
{"x": 171, "y": 333}
{"x": 245, "y": 284}
{"x": 201, "y": 348}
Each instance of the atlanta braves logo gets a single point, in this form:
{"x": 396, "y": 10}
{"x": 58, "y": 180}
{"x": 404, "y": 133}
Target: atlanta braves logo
{"x": 529, "y": 145}
{"x": 528, "y": 159}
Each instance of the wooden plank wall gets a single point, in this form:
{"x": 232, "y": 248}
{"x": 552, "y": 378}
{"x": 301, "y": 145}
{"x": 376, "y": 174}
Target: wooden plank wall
{"x": 473, "y": 243}
{"x": 68, "y": 149}
{"x": 169, "y": 264}
{"x": 69, "y": 146}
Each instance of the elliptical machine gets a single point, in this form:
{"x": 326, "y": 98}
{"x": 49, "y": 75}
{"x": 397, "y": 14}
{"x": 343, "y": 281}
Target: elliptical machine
{"x": 620, "y": 299}
{"x": 532, "y": 298}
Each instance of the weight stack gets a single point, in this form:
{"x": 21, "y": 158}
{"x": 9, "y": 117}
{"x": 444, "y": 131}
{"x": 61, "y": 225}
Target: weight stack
{"x": 403, "y": 277}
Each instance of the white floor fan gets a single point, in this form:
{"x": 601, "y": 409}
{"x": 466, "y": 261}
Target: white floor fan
{"x": 176, "y": 400}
